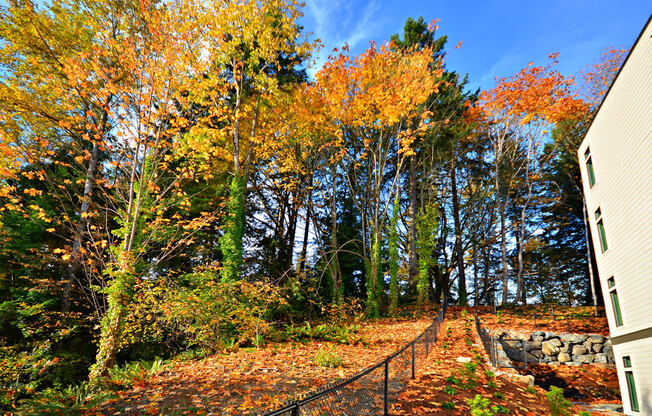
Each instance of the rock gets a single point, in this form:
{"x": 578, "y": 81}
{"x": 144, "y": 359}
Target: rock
{"x": 537, "y": 338}
{"x": 607, "y": 342}
{"x": 537, "y": 334}
{"x": 526, "y": 380}
{"x": 588, "y": 344}
{"x": 537, "y": 353}
{"x": 463, "y": 359}
{"x": 596, "y": 339}
{"x": 512, "y": 344}
{"x": 608, "y": 349}
{"x": 573, "y": 338}
{"x": 597, "y": 347}
{"x": 579, "y": 350}
{"x": 564, "y": 357}
{"x": 549, "y": 335}
{"x": 583, "y": 359}
{"x": 565, "y": 348}
{"x": 551, "y": 347}
{"x": 573, "y": 363}
{"x": 532, "y": 345}
{"x": 600, "y": 358}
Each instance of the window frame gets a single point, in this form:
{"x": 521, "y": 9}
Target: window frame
{"x": 630, "y": 380}
{"x": 602, "y": 233}
{"x": 588, "y": 161}
{"x": 615, "y": 302}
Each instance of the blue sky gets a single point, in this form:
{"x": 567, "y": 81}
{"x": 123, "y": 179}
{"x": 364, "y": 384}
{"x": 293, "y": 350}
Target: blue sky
{"x": 499, "y": 37}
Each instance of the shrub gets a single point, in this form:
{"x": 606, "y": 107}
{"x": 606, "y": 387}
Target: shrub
{"x": 448, "y": 405}
{"x": 327, "y": 357}
{"x": 531, "y": 390}
{"x": 499, "y": 395}
{"x": 559, "y": 406}
{"x": 479, "y": 406}
{"x": 450, "y": 390}
{"x": 469, "y": 373}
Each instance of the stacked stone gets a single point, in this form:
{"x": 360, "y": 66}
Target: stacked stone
{"x": 569, "y": 349}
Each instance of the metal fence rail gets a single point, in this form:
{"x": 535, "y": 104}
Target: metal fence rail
{"x": 371, "y": 391}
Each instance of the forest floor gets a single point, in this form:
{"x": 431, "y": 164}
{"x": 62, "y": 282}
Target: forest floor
{"x": 253, "y": 380}
{"x": 521, "y": 318}
{"x": 445, "y": 385}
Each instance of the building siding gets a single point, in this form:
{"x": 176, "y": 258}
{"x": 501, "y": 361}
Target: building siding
{"x": 620, "y": 142}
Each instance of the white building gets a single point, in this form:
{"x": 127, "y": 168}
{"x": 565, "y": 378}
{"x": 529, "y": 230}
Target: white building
{"x": 616, "y": 163}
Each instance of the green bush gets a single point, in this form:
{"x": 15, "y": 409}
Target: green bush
{"x": 74, "y": 400}
{"x": 450, "y": 390}
{"x": 344, "y": 334}
{"x": 559, "y": 406}
{"x": 479, "y": 406}
{"x": 327, "y": 357}
{"x": 448, "y": 405}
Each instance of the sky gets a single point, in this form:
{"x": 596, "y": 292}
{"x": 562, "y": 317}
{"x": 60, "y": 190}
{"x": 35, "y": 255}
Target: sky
{"x": 498, "y": 37}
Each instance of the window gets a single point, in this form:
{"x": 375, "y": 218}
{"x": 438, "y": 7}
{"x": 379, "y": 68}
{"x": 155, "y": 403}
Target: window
{"x": 613, "y": 294}
{"x": 589, "y": 167}
{"x": 631, "y": 386}
{"x": 601, "y": 232}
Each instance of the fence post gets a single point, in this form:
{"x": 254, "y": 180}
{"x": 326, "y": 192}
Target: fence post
{"x": 524, "y": 356}
{"x": 427, "y": 340}
{"x": 534, "y": 316}
{"x": 493, "y": 350}
{"x": 552, "y": 311}
{"x": 568, "y": 324}
{"x": 295, "y": 410}
{"x": 412, "y": 360}
{"x": 386, "y": 388}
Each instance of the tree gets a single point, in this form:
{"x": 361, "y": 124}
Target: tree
{"x": 518, "y": 114}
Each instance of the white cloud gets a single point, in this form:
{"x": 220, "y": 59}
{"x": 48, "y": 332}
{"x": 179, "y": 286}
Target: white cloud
{"x": 340, "y": 22}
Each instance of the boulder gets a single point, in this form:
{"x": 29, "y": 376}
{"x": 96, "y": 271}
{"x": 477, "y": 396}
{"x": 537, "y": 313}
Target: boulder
{"x": 551, "y": 347}
{"x": 573, "y": 338}
{"x": 583, "y": 358}
{"x": 526, "y": 380}
{"x": 596, "y": 339}
{"x": 565, "y": 348}
{"x": 532, "y": 345}
{"x": 537, "y": 334}
{"x": 549, "y": 335}
{"x": 537, "y": 353}
{"x": 600, "y": 358}
{"x": 579, "y": 349}
{"x": 564, "y": 357}
{"x": 588, "y": 344}
{"x": 597, "y": 347}
{"x": 608, "y": 349}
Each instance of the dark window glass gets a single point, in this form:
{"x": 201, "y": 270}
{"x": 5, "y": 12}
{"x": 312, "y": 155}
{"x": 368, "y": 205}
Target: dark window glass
{"x": 631, "y": 387}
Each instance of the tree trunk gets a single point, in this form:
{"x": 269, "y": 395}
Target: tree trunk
{"x": 413, "y": 260}
{"x": 459, "y": 250}
{"x": 503, "y": 250}
{"x": 306, "y": 230}
{"x": 334, "y": 261}
{"x": 75, "y": 263}
{"x": 589, "y": 258}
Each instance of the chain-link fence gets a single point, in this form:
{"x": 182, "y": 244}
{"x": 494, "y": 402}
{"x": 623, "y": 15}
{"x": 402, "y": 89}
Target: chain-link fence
{"x": 371, "y": 391}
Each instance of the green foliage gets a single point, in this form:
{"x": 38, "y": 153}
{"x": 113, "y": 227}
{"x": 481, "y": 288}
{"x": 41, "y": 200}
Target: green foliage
{"x": 499, "y": 395}
{"x": 448, "y": 405}
{"x": 344, "y": 334}
{"x": 531, "y": 390}
{"x": 73, "y": 400}
{"x": 479, "y": 406}
{"x": 393, "y": 259}
{"x": 559, "y": 406}
{"x": 134, "y": 373}
{"x": 492, "y": 384}
{"x": 427, "y": 227}
{"x": 453, "y": 380}
{"x": 585, "y": 413}
{"x": 469, "y": 373}
{"x": 231, "y": 241}
{"x": 327, "y": 357}
{"x": 450, "y": 390}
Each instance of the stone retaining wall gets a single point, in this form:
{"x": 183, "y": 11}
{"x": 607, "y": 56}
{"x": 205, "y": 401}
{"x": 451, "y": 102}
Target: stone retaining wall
{"x": 547, "y": 347}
